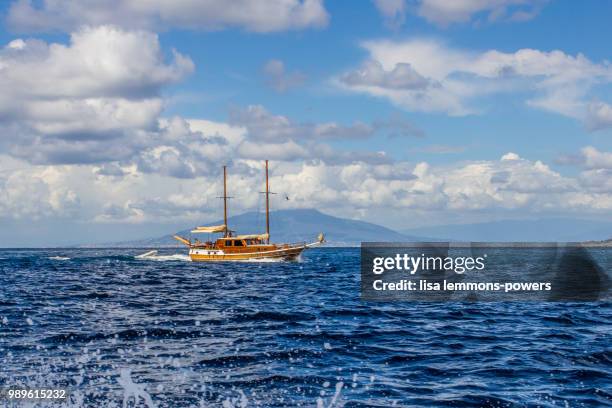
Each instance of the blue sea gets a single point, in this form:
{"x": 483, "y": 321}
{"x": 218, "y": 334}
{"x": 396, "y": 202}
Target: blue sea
{"x": 118, "y": 331}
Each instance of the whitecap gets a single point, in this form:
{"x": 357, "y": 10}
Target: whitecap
{"x": 133, "y": 391}
{"x": 152, "y": 256}
{"x": 59, "y": 258}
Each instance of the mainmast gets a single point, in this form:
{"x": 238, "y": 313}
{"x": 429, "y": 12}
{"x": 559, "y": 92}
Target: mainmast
{"x": 225, "y": 200}
{"x": 267, "y": 205}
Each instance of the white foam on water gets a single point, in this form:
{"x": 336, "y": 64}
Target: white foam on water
{"x": 146, "y": 254}
{"x": 133, "y": 390}
{"x": 152, "y": 256}
{"x": 261, "y": 260}
{"x": 239, "y": 402}
{"x": 334, "y": 400}
{"x": 59, "y": 258}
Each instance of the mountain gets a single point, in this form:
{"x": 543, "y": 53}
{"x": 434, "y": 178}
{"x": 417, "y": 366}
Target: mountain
{"x": 549, "y": 229}
{"x": 292, "y": 226}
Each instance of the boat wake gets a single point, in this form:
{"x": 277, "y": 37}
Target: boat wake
{"x": 152, "y": 256}
{"x": 59, "y": 258}
{"x": 261, "y": 260}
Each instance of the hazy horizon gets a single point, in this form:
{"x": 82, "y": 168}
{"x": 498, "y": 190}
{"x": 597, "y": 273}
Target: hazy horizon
{"x": 556, "y": 229}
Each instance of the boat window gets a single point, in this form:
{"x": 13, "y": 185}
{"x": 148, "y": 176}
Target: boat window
{"x": 237, "y": 243}
{"x": 228, "y": 243}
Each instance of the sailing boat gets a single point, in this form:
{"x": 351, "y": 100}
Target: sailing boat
{"x": 231, "y": 247}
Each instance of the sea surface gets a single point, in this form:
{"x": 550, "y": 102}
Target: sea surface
{"x": 118, "y": 331}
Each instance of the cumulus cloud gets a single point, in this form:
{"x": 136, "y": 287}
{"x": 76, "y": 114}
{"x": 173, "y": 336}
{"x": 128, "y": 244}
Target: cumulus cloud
{"x": 266, "y": 16}
{"x": 279, "y": 79}
{"x": 599, "y": 115}
{"x": 91, "y": 100}
{"x": 186, "y": 149}
{"x": 33, "y": 193}
{"x": 288, "y": 150}
{"x": 428, "y": 76}
{"x": 589, "y": 157}
{"x": 468, "y": 186}
{"x": 595, "y": 159}
{"x": 372, "y": 73}
{"x": 509, "y": 183}
{"x": 99, "y": 61}
{"x": 598, "y": 181}
{"x": 263, "y": 125}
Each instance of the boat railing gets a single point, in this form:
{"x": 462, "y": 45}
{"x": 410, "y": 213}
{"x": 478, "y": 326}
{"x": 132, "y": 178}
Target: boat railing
{"x": 295, "y": 244}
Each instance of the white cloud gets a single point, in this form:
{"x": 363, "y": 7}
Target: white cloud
{"x": 188, "y": 148}
{"x": 393, "y": 11}
{"x": 428, "y": 76}
{"x": 512, "y": 183}
{"x": 99, "y": 61}
{"x": 442, "y": 12}
{"x": 599, "y": 115}
{"x": 372, "y": 73}
{"x": 97, "y": 101}
{"x": 262, "y": 125}
{"x": 347, "y": 189}
{"x": 266, "y": 16}
{"x": 288, "y": 151}
{"x": 510, "y": 156}
{"x": 91, "y": 100}
{"x": 279, "y": 79}
{"x": 590, "y": 158}
{"x": 193, "y": 148}
{"x": 33, "y": 193}
{"x": 122, "y": 213}
{"x": 594, "y": 159}
{"x": 597, "y": 181}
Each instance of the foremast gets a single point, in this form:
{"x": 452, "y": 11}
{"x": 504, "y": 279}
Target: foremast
{"x": 226, "y": 232}
{"x": 267, "y": 206}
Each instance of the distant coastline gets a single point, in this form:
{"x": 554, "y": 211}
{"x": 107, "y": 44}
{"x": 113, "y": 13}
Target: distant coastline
{"x": 606, "y": 243}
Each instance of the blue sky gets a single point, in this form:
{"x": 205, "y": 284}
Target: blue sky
{"x": 231, "y": 62}
{"x": 445, "y": 90}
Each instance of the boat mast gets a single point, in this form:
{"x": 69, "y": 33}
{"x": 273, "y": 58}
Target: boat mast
{"x": 225, "y": 200}
{"x": 267, "y": 205}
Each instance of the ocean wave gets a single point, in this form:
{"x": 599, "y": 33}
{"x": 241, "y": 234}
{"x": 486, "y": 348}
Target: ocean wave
{"x": 110, "y": 326}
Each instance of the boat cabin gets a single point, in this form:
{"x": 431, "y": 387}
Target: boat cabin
{"x": 232, "y": 242}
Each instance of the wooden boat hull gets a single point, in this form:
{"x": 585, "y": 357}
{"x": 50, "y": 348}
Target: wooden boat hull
{"x": 216, "y": 255}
